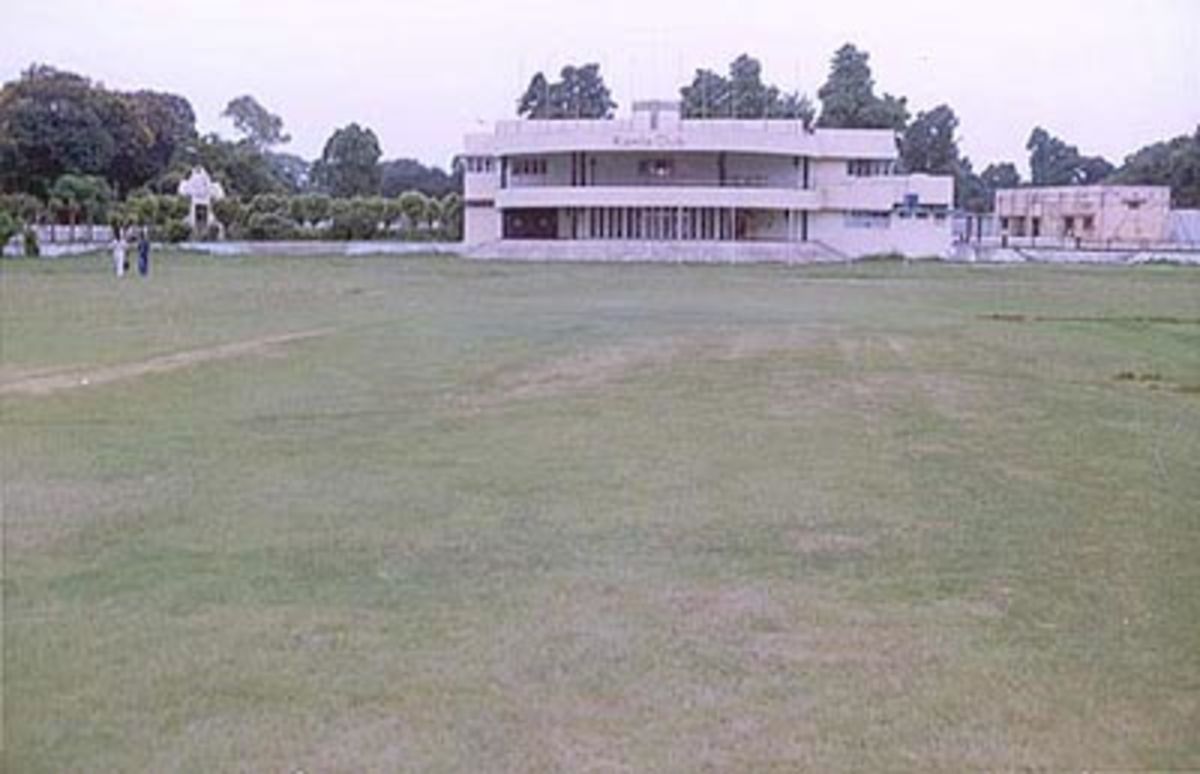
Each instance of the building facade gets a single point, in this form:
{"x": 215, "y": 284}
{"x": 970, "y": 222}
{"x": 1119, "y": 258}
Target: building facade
{"x": 1090, "y": 216}
{"x": 656, "y": 186}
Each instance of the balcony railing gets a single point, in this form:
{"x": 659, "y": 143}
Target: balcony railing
{"x": 642, "y": 181}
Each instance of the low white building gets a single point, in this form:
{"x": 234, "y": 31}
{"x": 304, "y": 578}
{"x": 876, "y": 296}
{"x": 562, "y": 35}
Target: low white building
{"x": 658, "y": 187}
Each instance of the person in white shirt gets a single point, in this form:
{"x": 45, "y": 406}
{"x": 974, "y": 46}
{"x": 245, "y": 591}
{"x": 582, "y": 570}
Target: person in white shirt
{"x": 118, "y": 252}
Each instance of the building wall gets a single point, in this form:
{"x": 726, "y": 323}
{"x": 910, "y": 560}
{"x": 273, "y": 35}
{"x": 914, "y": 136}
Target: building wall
{"x": 764, "y": 181}
{"x": 912, "y": 237}
{"x": 1102, "y": 214}
{"x": 480, "y": 224}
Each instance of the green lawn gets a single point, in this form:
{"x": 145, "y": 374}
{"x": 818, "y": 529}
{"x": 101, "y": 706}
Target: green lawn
{"x": 526, "y": 517}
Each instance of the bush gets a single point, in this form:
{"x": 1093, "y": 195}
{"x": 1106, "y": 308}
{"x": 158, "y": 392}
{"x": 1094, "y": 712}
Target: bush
{"x": 8, "y": 228}
{"x": 270, "y": 226}
{"x": 32, "y": 249}
{"x": 354, "y": 219}
{"x": 273, "y": 204}
{"x": 174, "y": 231}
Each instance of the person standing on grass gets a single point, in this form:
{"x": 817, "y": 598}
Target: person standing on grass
{"x": 143, "y": 254}
{"x": 118, "y": 253}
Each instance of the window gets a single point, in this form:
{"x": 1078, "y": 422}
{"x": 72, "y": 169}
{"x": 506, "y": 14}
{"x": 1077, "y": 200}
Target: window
{"x": 656, "y": 167}
{"x": 1089, "y": 222}
{"x": 868, "y": 219}
{"x": 479, "y": 163}
{"x": 531, "y": 166}
{"x": 868, "y": 167}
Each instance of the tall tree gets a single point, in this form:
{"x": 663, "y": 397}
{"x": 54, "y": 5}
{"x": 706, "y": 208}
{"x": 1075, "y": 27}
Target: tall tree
{"x": 1001, "y": 176}
{"x": 51, "y": 123}
{"x": 238, "y": 166}
{"x": 349, "y": 165}
{"x": 742, "y": 94}
{"x": 929, "y": 143}
{"x": 292, "y": 171}
{"x": 1054, "y": 162}
{"x": 54, "y": 122}
{"x": 579, "y": 93}
{"x": 1175, "y": 163}
{"x": 171, "y": 122}
{"x": 258, "y": 125}
{"x": 848, "y": 98}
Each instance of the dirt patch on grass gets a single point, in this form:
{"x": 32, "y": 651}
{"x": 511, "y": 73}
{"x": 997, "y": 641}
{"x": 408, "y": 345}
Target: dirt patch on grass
{"x": 56, "y": 380}
{"x": 812, "y": 542}
{"x": 1135, "y": 319}
{"x": 596, "y": 368}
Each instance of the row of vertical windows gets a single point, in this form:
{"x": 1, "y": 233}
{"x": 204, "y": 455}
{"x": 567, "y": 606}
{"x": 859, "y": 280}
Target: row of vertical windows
{"x": 480, "y": 163}
{"x": 529, "y": 166}
{"x": 650, "y": 223}
{"x": 869, "y": 167}
{"x": 666, "y": 223}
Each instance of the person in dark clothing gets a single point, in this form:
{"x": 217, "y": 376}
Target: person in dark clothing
{"x": 143, "y": 255}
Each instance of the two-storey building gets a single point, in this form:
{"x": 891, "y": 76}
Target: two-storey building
{"x": 659, "y": 187}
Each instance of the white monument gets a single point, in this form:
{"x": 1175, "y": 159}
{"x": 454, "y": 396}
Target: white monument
{"x": 201, "y": 190}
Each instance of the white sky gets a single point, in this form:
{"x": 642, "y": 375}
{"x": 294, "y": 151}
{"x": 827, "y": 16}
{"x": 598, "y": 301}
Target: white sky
{"x": 1106, "y": 75}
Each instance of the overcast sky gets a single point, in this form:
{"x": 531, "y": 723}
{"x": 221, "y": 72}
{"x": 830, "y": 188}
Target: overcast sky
{"x": 1106, "y": 75}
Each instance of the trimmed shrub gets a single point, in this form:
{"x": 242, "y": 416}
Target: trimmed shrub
{"x": 175, "y": 231}
{"x": 32, "y": 249}
{"x": 8, "y": 228}
{"x": 354, "y": 219}
{"x": 270, "y": 226}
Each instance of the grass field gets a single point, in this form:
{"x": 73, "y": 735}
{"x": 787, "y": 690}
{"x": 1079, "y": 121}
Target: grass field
{"x": 429, "y": 514}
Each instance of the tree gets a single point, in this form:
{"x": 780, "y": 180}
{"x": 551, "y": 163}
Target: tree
{"x": 50, "y": 124}
{"x": 742, "y": 95}
{"x": 970, "y": 192}
{"x": 1175, "y": 163}
{"x": 355, "y": 218}
{"x": 81, "y": 197}
{"x": 1054, "y": 162}
{"x": 230, "y": 213}
{"x": 452, "y": 216}
{"x": 310, "y": 209}
{"x": 54, "y": 122}
{"x": 579, "y": 93}
{"x": 349, "y": 165}
{"x": 9, "y": 227}
{"x": 292, "y": 172}
{"x": 848, "y": 98}
{"x": 1001, "y": 176}
{"x": 170, "y": 121}
{"x": 24, "y": 208}
{"x": 400, "y": 175}
{"x": 413, "y": 205}
{"x": 238, "y": 166}
{"x": 929, "y": 144}
{"x": 262, "y": 128}
{"x": 433, "y": 213}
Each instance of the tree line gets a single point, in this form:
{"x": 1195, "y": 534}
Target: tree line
{"x": 74, "y": 151}
{"x": 928, "y": 142}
